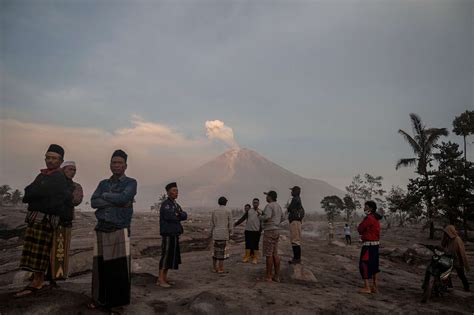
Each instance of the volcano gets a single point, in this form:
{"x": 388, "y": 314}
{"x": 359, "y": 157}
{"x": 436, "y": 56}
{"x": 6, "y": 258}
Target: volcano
{"x": 241, "y": 175}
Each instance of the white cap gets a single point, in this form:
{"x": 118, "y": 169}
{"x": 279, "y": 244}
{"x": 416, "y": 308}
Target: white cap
{"x": 68, "y": 163}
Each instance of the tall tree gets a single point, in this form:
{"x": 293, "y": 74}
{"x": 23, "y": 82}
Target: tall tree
{"x": 349, "y": 206}
{"x": 422, "y": 143}
{"x": 333, "y": 206}
{"x": 4, "y": 193}
{"x": 453, "y": 184}
{"x": 16, "y": 197}
{"x": 464, "y": 126}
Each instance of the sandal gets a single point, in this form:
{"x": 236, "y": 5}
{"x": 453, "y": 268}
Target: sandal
{"x": 29, "y": 289}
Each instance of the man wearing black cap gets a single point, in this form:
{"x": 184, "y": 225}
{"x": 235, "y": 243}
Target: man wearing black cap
{"x": 171, "y": 215}
{"x": 272, "y": 217}
{"x": 221, "y": 229}
{"x": 113, "y": 200}
{"x": 295, "y": 217}
{"x": 48, "y": 199}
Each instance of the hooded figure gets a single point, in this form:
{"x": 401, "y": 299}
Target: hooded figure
{"x": 453, "y": 245}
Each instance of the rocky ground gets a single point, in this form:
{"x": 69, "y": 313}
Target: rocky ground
{"x": 328, "y": 281}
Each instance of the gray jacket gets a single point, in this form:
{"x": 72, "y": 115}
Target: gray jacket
{"x": 272, "y": 216}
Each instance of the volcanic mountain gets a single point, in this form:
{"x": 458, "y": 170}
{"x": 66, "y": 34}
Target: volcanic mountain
{"x": 241, "y": 175}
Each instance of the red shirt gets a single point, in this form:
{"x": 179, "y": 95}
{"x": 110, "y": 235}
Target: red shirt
{"x": 369, "y": 229}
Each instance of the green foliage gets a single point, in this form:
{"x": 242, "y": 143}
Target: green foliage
{"x": 332, "y": 205}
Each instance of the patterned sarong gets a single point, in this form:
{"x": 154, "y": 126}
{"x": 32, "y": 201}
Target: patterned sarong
{"x": 221, "y": 250}
{"x": 37, "y": 246}
{"x": 111, "y": 269}
{"x": 60, "y": 253}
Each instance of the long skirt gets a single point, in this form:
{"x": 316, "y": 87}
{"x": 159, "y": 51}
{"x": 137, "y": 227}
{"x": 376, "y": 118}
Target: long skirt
{"x": 221, "y": 250}
{"x": 60, "y": 253}
{"x": 369, "y": 261}
{"x": 170, "y": 253}
{"x": 111, "y": 269}
{"x": 37, "y": 247}
{"x": 252, "y": 240}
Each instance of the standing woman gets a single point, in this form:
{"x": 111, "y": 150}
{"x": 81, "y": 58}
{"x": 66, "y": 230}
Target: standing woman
{"x": 59, "y": 264}
{"x": 171, "y": 216}
{"x": 369, "y": 230}
{"x": 47, "y": 197}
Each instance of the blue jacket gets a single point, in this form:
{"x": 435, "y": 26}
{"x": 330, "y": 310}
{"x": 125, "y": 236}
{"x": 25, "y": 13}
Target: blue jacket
{"x": 171, "y": 216}
{"x": 113, "y": 199}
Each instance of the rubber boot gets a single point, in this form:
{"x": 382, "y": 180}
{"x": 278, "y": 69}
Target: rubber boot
{"x": 255, "y": 257}
{"x": 247, "y": 256}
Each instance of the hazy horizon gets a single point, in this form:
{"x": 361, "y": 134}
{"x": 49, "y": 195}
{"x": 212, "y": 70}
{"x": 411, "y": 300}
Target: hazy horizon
{"x": 319, "y": 88}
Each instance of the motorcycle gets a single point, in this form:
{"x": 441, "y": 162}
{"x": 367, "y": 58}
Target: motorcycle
{"x": 437, "y": 274}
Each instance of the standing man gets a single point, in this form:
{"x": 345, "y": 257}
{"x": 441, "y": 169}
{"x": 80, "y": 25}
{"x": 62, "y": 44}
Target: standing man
{"x": 48, "y": 198}
{"x": 295, "y": 217}
{"x": 253, "y": 230}
{"x": 111, "y": 269}
{"x": 347, "y": 234}
{"x": 171, "y": 216}
{"x": 221, "y": 230}
{"x": 271, "y": 217}
{"x": 62, "y": 234}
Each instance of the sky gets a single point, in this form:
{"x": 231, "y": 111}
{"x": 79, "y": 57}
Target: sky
{"x": 318, "y": 87}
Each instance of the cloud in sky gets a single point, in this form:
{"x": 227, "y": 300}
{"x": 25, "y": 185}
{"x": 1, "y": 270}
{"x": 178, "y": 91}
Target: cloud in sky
{"x": 156, "y": 151}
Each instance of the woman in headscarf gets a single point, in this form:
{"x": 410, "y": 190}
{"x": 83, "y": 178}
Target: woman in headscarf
{"x": 453, "y": 245}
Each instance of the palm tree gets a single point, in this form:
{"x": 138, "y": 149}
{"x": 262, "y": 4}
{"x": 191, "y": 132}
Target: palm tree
{"x": 423, "y": 143}
{"x": 464, "y": 126}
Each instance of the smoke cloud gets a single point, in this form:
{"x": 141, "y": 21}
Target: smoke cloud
{"x": 216, "y": 129}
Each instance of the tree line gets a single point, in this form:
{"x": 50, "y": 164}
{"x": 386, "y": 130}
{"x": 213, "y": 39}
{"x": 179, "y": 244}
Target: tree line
{"x": 442, "y": 190}
{"x": 10, "y": 196}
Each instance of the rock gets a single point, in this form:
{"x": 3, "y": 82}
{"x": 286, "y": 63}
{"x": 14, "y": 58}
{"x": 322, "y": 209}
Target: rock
{"x": 208, "y": 303}
{"x": 80, "y": 263}
{"x": 299, "y": 273}
{"x": 146, "y": 265}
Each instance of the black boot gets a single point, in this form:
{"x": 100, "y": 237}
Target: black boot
{"x": 294, "y": 254}
{"x": 298, "y": 254}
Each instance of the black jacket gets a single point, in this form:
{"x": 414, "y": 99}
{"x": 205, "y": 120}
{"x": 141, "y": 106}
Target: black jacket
{"x": 295, "y": 210}
{"x": 50, "y": 194}
{"x": 171, "y": 216}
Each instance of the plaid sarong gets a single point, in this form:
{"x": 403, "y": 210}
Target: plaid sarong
{"x": 111, "y": 269}
{"x": 37, "y": 246}
{"x": 60, "y": 253}
{"x": 221, "y": 250}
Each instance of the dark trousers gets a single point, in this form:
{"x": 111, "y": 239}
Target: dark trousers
{"x": 348, "y": 240}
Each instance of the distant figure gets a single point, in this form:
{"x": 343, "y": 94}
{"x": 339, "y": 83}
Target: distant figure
{"x": 452, "y": 244}
{"x": 347, "y": 234}
{"x": 221, "y": 229}
{"x": 58, "y": 268}
{"x": 271, "y": 217}
{"x": 171, "y": 216}
{"x": 48, "y": 199}
{"x": 330, "y": 232}
{"x": 369, "y": 230}
{"x": 295, "y": 217}
{"x": 253, "y": 230}
{"x": 113, "y": 199}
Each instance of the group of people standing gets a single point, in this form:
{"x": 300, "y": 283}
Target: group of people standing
{"x": 52, "y": 196}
